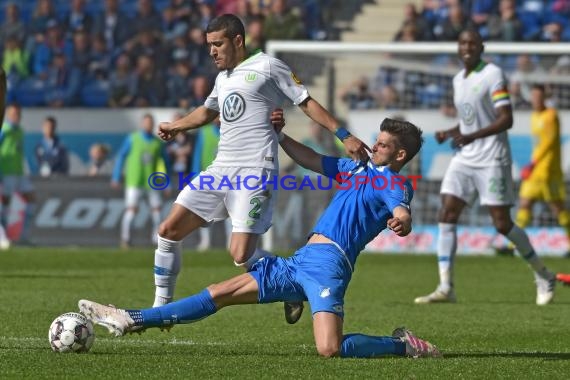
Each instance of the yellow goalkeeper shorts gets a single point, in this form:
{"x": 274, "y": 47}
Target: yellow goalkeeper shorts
{"x": 547, "y": 191}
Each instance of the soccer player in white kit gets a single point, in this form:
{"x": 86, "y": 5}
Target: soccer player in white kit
{"x": 246, "y": 91}
{"x": 481, "y": 165}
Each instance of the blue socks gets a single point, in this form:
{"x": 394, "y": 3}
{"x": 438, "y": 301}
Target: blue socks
{"x": 366, "y": 346}
{"x": 186, "y": 310}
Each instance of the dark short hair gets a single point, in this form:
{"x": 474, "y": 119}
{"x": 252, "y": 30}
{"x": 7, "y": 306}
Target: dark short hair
{"x": 52, "y": 120}
{"x": 408, "y": 135}
{"x": 538, "y": 86}
{"x": 229, "y": 23}
{"x": 472, "y": 30}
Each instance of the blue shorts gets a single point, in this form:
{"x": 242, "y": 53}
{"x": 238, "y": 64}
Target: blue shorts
{"x": 318, "y": 273}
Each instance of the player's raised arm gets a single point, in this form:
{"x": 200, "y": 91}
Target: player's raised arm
{"x": 353, "y": 146}
{"x": 195, "y": 119}
{"x": 302, "y": 154}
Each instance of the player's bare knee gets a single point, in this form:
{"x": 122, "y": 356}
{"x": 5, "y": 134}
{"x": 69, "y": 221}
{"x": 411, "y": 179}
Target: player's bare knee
{"x": 239, "y": 255}
{"x": 328, "y": 350}
{"x": 448, "y": 215}
{"x": 168, "y": 230}
{"x": 503, "y": 226}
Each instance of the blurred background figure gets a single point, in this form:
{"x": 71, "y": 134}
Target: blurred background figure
{"x": 99, "y": 163}
{"x": 12, "y": 163}
{"x": 141, "y": 155}
{"x": 51, "y": 154}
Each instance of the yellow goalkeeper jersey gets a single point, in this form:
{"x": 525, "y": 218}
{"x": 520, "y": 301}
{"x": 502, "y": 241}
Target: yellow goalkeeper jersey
{"x": 545, "y": 130}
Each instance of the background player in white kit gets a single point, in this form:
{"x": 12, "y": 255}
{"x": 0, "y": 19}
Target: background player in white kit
{"x": 246, "y": 92}
{"x": 481, "y": 165}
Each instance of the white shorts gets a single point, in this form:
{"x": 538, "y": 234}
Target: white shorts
{"x": 494, "y": 184}
{"x": 219, "y": 192}
{"x": 134, "y": 194}
{"x": 16, "y": 184}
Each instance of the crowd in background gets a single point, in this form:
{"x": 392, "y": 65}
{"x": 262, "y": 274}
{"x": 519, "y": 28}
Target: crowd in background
{"x": 130, "y": 53}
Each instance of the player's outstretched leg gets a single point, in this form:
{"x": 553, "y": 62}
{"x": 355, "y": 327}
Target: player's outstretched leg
{"x": 121, "y": 321}
{"x": 402, "y": 343}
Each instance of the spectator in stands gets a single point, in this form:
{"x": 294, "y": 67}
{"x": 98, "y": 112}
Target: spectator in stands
{"x": 44, "y": 52}
{"x": 78, "y": 19}
{"x": 412, "y": 17}
{"x": 198, "y": 52}
{"x": 81, "y": 56}
{"x": 62, "y": 83}
{"x": 357, "y": 95}
{"x": 51, "y": 154}
{"x": 146, "y": 43}
{"x": 506, "y": 26}
{"x": 206, "y": 13}
{"x": 481, "y": 10}
{"x": 147, "y": 18}
{"x": 179, "y": 84}
{"x": 15, "y": 60}
{"x": 255, "y": 39}
{"x": 100, "y": 61}
{"x": 112, "y": 24}
{"x": 12, "y": 26}
{"x": 552, "y": 32}
{"x": 450, "y": 28}
{"x": 521, "y": 80}
{"x": 243, "y": 11}
{"x": 389, "y": 98}
{"x": 148, "y": 84}
{"x": 183, "y": 9}
{"x": 283, "y": 22}
{"x": 172, "y": 26}
{"x": 122, "y": 83}
{"x": 407, "y": 33}
{"x": 43, "y": 13}
{"x": 99, "y": 163}
{"x": 200, "y": 90}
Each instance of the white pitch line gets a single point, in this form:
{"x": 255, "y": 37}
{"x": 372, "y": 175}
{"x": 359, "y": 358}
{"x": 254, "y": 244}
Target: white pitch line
{"x": 128, "y": 342}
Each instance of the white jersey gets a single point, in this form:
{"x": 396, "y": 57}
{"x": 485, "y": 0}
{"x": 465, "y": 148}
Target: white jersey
{"x": 245, "y": 97}
{"x": 476, "y": 99}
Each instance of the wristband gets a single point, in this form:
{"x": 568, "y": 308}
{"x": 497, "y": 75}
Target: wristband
{"x": 342, "y": 133}
{"x": 280, "y": 136}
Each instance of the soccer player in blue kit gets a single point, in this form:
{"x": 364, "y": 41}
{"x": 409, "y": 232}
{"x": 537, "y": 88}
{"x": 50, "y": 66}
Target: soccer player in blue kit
{"x": 373, "y": 197}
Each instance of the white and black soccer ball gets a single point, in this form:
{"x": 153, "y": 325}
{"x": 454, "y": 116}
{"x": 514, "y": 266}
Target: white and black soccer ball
{"x": 71, "y": 332}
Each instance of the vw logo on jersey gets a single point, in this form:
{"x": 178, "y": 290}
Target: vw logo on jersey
{"x": 234, "y": 107}
{"x": 467, "y": 113}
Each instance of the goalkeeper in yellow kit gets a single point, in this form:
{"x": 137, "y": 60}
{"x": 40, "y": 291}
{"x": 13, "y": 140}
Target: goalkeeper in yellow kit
{"x": 542, "y": 178}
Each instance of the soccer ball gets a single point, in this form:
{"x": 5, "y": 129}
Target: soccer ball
{"x": 71, "y": 332}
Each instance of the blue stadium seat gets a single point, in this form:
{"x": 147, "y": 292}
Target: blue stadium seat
{"x": 95, "y": 94}
{"x": 30, "y": 93}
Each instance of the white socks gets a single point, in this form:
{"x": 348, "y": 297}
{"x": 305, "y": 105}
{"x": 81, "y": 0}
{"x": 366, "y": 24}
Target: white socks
{"x": 446, "y": 249}
{"x": 126, "y": 223}
{"x": 167, "y": 261}
{"x": 520, "y": 239}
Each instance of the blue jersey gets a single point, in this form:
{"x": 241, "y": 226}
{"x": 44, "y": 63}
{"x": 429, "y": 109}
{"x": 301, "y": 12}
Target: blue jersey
{"x": 360, "y": 209}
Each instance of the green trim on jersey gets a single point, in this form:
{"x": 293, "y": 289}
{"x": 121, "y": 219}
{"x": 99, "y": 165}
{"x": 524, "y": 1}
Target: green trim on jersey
{"x": 143, "y": 160}
{"x": 12, "y": 150}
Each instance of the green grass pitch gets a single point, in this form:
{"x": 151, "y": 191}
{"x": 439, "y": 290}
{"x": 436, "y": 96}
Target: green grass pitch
{"x": 494, "y": 331}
